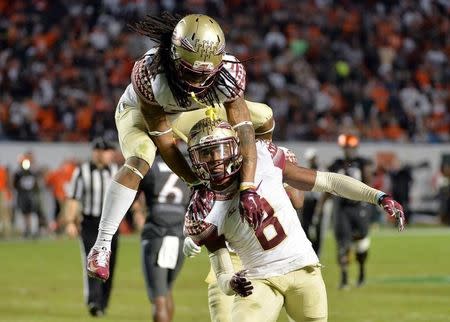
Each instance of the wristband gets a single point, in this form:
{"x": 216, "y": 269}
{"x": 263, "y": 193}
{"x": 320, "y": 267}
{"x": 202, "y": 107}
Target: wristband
{"x": 242, "y": 124}
{"x": 159, "y": 133}
{"x": 246, "y": 185}
{"x": 381, "y": 197}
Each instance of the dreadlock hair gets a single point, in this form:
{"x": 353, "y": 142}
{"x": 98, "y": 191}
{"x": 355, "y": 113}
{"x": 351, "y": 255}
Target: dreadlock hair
{"x": 159, "y": 29}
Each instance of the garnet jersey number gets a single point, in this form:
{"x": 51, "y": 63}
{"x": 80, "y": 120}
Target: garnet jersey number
{"x": 270, "y": 233}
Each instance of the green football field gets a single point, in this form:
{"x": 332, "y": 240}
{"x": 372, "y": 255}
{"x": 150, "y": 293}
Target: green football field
{"x": 408, "y": 280}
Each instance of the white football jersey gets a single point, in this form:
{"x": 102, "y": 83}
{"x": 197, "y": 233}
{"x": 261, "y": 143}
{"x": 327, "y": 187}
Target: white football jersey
{"x": 156, "y": 90}
{"x": 279, "y": 245}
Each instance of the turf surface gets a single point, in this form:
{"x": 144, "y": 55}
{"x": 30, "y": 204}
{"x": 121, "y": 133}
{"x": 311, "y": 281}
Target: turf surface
{"x": 408, "y": 280}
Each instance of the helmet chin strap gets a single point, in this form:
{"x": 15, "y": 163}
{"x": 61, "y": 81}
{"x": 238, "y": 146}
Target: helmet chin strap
{"x": 210, "y": 110}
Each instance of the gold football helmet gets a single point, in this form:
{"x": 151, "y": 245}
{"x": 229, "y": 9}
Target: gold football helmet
{"x": 198, "y": 46}
{"x": 213, "y": 148}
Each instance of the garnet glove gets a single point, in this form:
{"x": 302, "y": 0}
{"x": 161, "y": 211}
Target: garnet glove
{"x": 240, "y": 284}
{"x": 250, "y": 207}
{"x": 393, "y": 209}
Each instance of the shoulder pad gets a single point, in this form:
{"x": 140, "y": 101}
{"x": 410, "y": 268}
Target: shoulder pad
{"x": 277, "y": 154}
{"x": 289, "y": 155}
{"x": 141, "y": 79}
{"x": 237, "y": 71}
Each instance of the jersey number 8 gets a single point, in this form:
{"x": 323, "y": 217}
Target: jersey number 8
{"x": 270, "y": 233}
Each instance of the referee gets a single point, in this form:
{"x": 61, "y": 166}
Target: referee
{"x": 86, "y": 193}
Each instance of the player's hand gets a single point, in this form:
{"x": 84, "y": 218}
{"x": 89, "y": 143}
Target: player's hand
{"x": 250, "y": 207}
{"x": 201, "y": 202}
{"x": 393, "y": 209}
{"x": 71, "y": 230}
{"x": 190, "y": 249}
{"x": 240, "y": 284}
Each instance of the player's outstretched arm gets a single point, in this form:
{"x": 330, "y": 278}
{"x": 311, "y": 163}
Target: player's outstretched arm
{"x": 342, "y": 186}
{"x": 161, "y": 134}
{"x": 239, "y": 117}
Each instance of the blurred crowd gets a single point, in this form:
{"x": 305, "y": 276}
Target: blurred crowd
{"x": 379, "y": 69}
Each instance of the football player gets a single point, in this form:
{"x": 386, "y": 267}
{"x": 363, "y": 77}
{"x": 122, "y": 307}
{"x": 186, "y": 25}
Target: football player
{"x": 187, "y": 70}
{"x": 280, "y": 266}
{"x": 220, "y": 304}
{"x": 351, "y": 218}
{"x": 166, "y": 199}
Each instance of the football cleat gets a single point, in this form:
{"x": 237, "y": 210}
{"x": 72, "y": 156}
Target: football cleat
{"x": 95, "y": 310}
{"x": 98, "y": 263}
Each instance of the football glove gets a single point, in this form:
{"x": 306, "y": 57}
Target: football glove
{"x": 250, "y": 207}
{"x": 393, "y": 209}
{"x": 201, "y": 202}
{"x": 190, "y": 249}
{"x": 240, "y": 284}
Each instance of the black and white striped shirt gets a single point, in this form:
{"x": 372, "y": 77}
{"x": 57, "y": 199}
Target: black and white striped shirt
{"x": 88, "y": 186}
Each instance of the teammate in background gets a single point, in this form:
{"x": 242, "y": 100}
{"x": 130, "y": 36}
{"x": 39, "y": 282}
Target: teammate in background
{"x": 281, "y": 268}
{"x": 220, "y": 304}
{"x": 186, "y": 70}
{"x": 86, "y": 194}
{"x": 166, "y": 199}
{"x": 28, "y": 193}
{"x": 351, "y": 218}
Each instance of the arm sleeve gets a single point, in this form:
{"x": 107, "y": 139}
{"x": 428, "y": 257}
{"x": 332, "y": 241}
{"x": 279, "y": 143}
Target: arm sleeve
{"x": 346, "y": 187}
{"x": 223, "y": 268}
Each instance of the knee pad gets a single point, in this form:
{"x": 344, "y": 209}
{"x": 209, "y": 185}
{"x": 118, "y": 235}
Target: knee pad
{"x": 362, "y": 245}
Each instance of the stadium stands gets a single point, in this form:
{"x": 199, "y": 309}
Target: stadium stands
{"x": 379, "y": 69}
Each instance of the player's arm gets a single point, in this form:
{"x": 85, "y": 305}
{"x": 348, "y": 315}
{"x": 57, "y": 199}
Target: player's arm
{"x": 342, "y": 186}
{"x": 229, "y": 282}
{"x": 71, "y": 207}
{"x": 296, "y": 196}
{"x": 204, "y": 233}
{"x": 71, "y": 212}
{"x": 249, "y": 202}
{"x": 139, "y": 211}
{"x": 161, "y": 133}
{"x": 239, "y": 117}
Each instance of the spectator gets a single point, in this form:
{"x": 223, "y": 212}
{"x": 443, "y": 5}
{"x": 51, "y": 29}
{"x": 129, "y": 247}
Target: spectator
{"x": 70, "y": 53}
{"x": 57, "y": 180}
